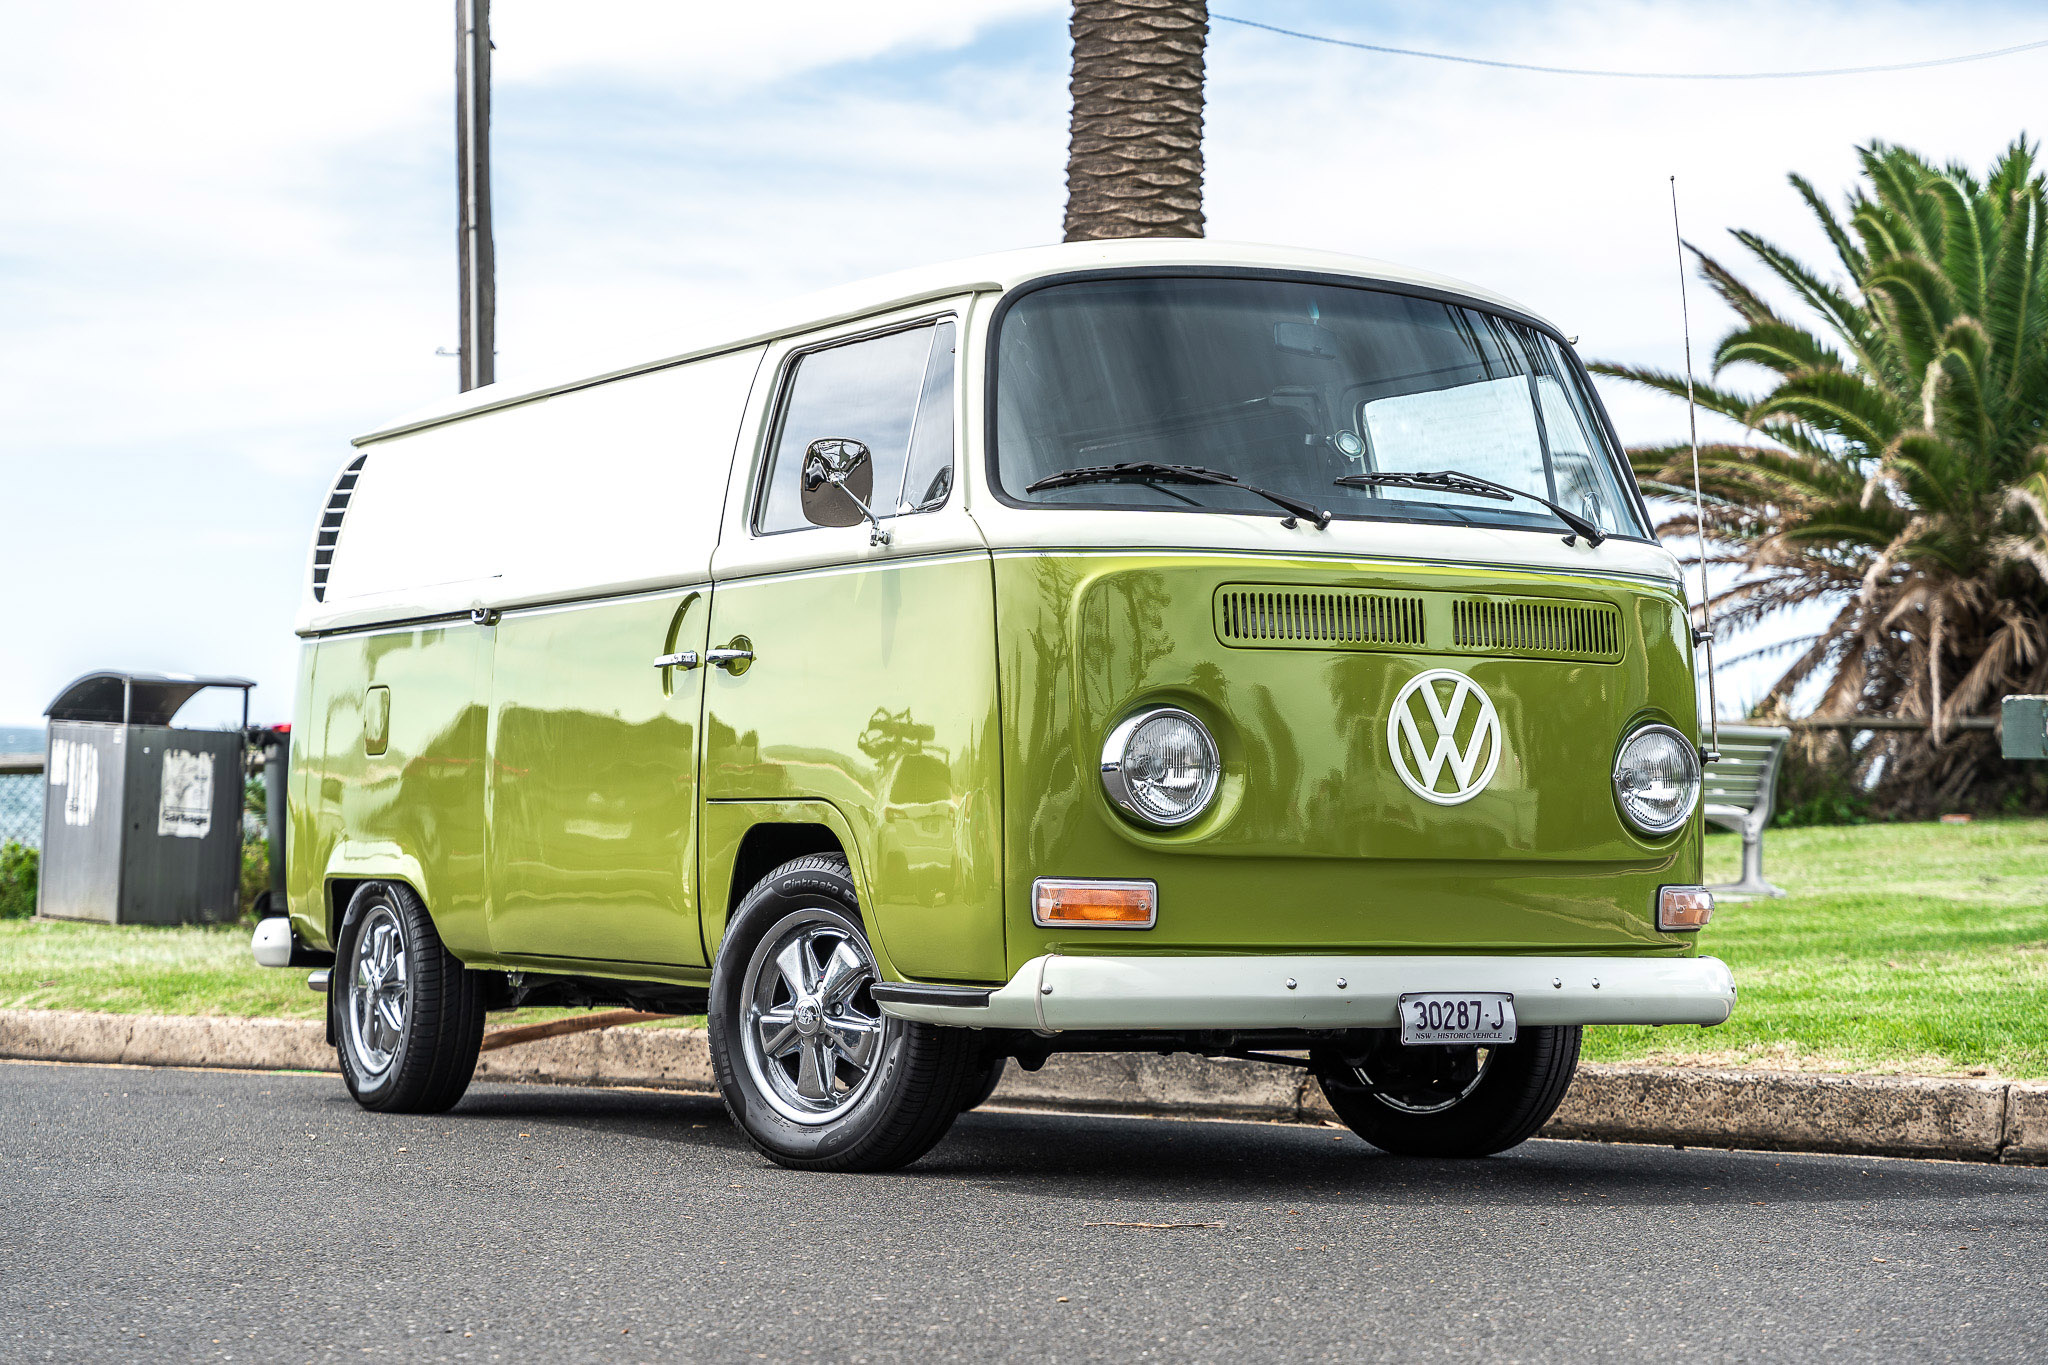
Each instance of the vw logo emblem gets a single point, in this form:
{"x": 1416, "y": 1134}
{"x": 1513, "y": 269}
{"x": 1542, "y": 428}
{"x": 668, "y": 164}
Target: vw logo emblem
{"x": 1435, "y": 704}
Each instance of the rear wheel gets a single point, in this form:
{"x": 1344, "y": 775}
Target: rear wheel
{"x": 1450, "y": 1101}
{"x": 984, "y": 1087}
{"x": 812, "y": 1071}
{"x": 409, "y": 1017}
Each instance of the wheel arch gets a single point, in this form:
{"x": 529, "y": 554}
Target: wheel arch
{"x": 769, "y": 845}
{"x": 340, "y": 891}
{"x": 746, "y": 840}
{"x": 351, "y": 865}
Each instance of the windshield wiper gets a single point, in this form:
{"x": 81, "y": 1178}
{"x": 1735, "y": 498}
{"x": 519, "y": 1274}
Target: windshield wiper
{"x": 1147, "y": 471}
{"x": 1451, "y": 481}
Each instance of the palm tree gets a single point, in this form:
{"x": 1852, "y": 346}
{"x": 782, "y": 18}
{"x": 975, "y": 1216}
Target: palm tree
{"x": 1894, "y": 465}
{"x": 1134, "y": 162}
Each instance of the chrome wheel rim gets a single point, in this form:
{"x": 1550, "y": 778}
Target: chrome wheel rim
{"x": 1431, "y": 1090}
{"x": 379, "y": 995}
{"x": 813, "y": 1037}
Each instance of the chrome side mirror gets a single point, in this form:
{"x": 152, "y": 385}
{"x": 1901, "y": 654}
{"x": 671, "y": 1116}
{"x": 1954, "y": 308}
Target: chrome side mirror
{"x": 838, "y": 484}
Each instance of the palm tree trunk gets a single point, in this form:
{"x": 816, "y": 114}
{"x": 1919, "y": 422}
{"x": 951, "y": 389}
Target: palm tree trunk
{"x": 1134, "y": 163}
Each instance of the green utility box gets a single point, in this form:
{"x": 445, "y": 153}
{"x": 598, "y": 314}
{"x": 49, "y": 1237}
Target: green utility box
{"x": 2023, "y": 727}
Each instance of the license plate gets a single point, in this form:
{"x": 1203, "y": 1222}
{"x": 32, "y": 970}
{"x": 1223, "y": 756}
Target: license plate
{"x": 1436, "y": 1017}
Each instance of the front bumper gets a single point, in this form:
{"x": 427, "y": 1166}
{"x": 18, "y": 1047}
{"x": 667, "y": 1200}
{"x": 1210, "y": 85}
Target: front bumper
{"x": 1057, "y": 992}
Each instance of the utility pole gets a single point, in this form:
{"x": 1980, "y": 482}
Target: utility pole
{"x": 478, "y": 348}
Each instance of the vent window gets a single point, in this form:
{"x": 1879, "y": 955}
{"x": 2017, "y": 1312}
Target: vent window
{"x": 330, "y": 525}
{"x": 1277, "y": 618}
{"x": 1535, "y": 626}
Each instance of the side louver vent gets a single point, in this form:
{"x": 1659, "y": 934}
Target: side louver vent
{"x": 1330, "y": 618}
{"x": 330, "y": 525}
{"x": 1536, "y": 627}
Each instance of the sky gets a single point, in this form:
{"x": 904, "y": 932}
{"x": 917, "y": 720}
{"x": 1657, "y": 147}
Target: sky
{"x": 227, "y": 242}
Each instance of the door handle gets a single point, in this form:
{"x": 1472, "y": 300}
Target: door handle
{"x": 686, "y": 659}
{"x": 731, "y": 660}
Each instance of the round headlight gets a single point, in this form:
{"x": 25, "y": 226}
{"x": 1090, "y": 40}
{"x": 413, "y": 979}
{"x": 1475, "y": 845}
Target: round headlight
{"x": 1657, "y": 779}
{"x": 1161, "y": 766}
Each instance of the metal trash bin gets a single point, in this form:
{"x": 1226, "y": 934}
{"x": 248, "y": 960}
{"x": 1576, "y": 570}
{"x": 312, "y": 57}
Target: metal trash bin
{"x": 142, "y": 823}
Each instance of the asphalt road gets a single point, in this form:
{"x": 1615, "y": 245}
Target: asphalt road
{"x": 186, "y": 1215}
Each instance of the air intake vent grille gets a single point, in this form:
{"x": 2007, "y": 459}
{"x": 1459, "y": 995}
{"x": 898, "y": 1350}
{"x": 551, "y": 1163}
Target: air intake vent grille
{"x": 330, "y": 525}
{"x": 1331, "y": 618}
{"x": 1535, "y": 627}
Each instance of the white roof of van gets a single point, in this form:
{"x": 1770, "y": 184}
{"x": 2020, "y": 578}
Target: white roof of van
{"x": 992, "y": 273}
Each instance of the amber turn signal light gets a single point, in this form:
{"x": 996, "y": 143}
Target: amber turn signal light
{"x": 1684, "y": 907}
{"x": 1072, "y": 903}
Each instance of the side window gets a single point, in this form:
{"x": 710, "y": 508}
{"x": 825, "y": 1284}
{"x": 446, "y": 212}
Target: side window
{"x": 928, "y": 473}
{"x": 892, "y": 393}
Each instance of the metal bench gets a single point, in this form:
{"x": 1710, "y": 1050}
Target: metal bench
{"x": 1740, "y": 785}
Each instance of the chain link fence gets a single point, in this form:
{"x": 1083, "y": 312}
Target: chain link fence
{"x": 21, "y": 806}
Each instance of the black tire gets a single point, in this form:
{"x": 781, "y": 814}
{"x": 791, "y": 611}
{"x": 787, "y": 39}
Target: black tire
{"x": 424, "y": 1064}
{"x": 984, "y": 1089}
{"x": 896, "y": 1103}
{"x": 1419, "y": 1101}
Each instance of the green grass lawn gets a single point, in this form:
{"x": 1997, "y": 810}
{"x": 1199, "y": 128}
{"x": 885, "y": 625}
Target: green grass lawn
{"x": 136, "y": 969}
{"x": 1902, "y": 948}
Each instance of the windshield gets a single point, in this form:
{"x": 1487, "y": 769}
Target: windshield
{"x": 1291, "y": 386}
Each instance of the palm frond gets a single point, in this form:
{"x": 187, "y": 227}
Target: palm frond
{"x": 1954, "y": 400}
{"x": 1962, "y": 243}
{"x": 1844, "y": 314}
{"x": 1770, "y": 651}
{"x": 1852, "y": 258}
{"x": 1776, "y": 345}
{"x": 1900, "y": 179}
{"x": 1838, "y": 403}
{"x": 1712, "y": 397}
{"x": 1747, "y": 303}
{"x": 2013, "y": 307}
{"x": 1917, "y": 302}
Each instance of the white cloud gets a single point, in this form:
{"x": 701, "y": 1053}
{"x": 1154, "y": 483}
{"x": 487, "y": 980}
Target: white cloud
{"x": 723, "y": 50}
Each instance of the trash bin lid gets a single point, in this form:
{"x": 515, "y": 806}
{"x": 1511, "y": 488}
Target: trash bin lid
{"x": 153, "y": 698}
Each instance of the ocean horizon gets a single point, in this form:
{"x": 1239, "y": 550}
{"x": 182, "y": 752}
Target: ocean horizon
{"x": 21, "y": 739}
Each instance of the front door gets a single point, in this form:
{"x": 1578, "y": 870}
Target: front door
{"x": 871, "y": 686}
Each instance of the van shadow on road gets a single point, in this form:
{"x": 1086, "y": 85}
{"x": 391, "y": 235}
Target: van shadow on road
{"x": 1087, "y": 1158}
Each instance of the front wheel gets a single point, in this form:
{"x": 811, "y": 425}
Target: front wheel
{"x": 812, "y": 1071}
{"x": 1450, "y": 1101}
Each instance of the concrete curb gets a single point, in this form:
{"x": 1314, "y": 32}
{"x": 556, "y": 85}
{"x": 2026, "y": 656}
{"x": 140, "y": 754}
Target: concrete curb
{"x": 1969, "y": 1120}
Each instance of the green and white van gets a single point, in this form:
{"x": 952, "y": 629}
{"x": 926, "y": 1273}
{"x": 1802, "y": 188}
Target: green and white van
{"x": 1144, "y": 645}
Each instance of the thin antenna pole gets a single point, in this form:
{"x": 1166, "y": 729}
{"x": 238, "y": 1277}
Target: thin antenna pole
{"x": 1699, "y": 502}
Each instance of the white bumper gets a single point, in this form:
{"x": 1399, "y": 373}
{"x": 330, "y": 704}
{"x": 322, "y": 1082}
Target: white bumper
{"x": 272, "y": 942}
{"x": 1058, "y": 992}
